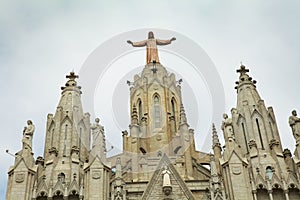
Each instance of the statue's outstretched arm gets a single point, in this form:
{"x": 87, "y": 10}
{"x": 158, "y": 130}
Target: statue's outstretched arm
{"x": 137, "y": 44}
{"x": 165, "y": 42}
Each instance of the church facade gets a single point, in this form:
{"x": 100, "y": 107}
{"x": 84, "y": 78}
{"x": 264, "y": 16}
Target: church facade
{"x": 159, "y": 158}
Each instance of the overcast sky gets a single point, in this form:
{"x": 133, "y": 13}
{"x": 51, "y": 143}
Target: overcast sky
{"x": 42, "y": 41}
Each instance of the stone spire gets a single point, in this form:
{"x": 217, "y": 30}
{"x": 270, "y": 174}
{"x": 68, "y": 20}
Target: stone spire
{"x": 251, "y": 109}
{"x": 255, "y": 129}
{"x": 67, "y": 142}
{"x": 246, "y": 87}
{"x": 216, "y": 148}
{"x": 183, "y": 119}
{"x": 68, "y": 129}
{"x": 215, "y": 137}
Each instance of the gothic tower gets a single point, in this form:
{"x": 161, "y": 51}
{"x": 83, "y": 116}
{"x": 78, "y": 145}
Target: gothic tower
{"x": 253, "y": 160}
{"x": 71, "y": 168}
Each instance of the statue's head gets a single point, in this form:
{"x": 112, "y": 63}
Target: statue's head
{"x": 150, "y": 35}
{"x": 225, "y": 116}
{"x": 294, "y": 113}
{"x": 29, "y": 122}
{"x": 97, "y": 120}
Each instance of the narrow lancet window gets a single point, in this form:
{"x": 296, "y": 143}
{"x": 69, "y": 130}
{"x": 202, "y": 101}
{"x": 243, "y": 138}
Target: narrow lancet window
{"x": 140, "y": 111}
{"x": 65, "y": 141}
{"x": 272, "y": 132}
{"x": 259, "y": 133}
{"x": 245, "y": 138}
{"x": 157, "y": 111}
{"x": 173, "y": 111}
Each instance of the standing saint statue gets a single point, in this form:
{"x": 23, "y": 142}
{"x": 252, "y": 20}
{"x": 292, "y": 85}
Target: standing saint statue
{"x": 151, "y": 43}
{"x": 27, "y": 135}
{"x": 167, "y": 187}
{"x": 227, "y": 127}
{"x": 98, "y": 146}
{"x": 294, "y": 122}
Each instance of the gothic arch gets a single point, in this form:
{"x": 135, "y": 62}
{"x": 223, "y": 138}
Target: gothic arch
{"x": 173, "y": 106}
{"x": 255, "y": 113}
{"x": 52, "y": 125}
{"x": 262, "y": 193}
{"x": 259, "y": 129}
{"x": 140, "y": 109}
{"x": 42, "y": 195}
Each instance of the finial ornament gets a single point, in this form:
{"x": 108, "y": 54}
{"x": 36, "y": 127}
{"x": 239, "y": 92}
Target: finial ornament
{"x": 151, "y": 44}
{"x": 72, "y": 76}
{"x": 242, "y": 70}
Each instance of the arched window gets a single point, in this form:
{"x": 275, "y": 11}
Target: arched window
{"x": 259, "y": 134}
{"x": 271, "y": 128}
{"x": 245, "y": 138}
{"x": 173, "y": 106}
{"x": 173, "y": 110}
{"x": 157, "y": 111}
{"x": 140, "y": 111}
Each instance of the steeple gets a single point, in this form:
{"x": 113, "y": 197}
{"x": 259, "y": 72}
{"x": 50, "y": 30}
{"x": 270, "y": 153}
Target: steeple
{"x": 251, "y": 108}
{"x": 68, "y": 129}
{"x": 67, "y": 142}
{"x": 246, "y": 88}
{"x": 254, "y": 128}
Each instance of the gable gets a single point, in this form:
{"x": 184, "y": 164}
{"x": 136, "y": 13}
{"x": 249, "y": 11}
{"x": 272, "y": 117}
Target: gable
{"x": 158, "y": 186}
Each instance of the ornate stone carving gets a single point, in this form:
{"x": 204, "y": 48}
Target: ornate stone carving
{"x": 252, "y": 144}
{"x": 236, "y": 170}
{"x": 53, "y": 150}
{"x": 27, "y": 135}
{"x": 96, "y": 174}
{"x": 273, "y": 143}
{"x": 167, "y": 187}
{"x": 227, "y": 128}
{"x": 294, "y": 122}
{"x": 20, "y": 177}
{"x": 98, "y": 138}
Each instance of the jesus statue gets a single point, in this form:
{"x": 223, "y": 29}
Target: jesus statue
{"x": 151, "y": 43}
